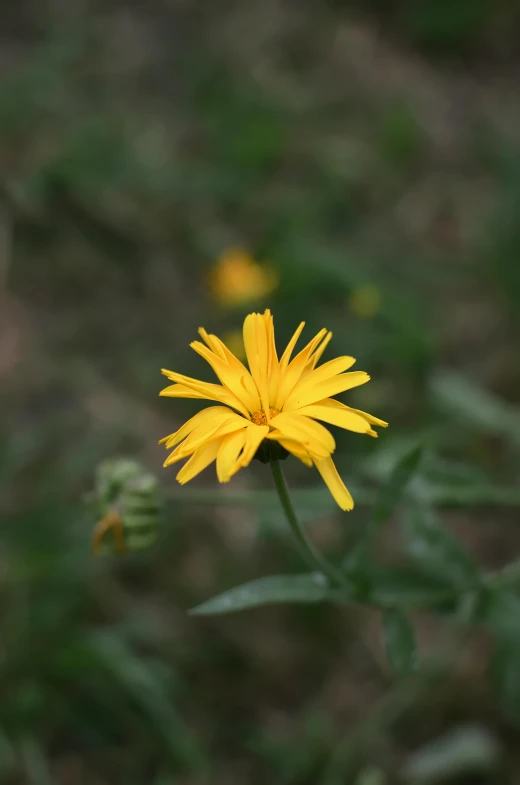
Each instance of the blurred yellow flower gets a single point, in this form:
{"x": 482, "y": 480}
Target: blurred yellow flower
{"x": 365, "y": 301}
{"x": 237, "y": 279}
{"x": 273, "y": 402}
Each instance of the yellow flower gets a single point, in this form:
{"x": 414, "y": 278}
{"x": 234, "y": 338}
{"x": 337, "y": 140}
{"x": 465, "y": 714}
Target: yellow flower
{"x": 237, "y": 279}
{"x": 276, "y": 400}
{"x": 365, "y": 301}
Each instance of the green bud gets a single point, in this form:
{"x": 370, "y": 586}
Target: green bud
{"x": 128, "y": 504}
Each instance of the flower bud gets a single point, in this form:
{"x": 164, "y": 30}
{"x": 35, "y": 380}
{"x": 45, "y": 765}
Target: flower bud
{"x": 128, "y": 504}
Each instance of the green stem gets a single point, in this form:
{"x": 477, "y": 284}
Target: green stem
{"x": 312, "y": 556}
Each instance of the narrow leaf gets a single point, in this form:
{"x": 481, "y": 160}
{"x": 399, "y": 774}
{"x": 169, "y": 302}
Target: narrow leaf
{"x": 392, "y": 492}
{"x": 272, "y": 589}
{"x": 399, "y": 640}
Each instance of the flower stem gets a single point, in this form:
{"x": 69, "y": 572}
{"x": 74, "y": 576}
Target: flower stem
{"x": 312, "y": 556}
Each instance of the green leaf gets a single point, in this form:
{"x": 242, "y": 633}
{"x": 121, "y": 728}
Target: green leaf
{"x": 392, "y": 492}
{"x": 399, "y": 640}
{"x": 436, "y": 550}
{"x": 272, "y": 589}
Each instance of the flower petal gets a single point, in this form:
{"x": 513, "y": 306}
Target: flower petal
{"x": 181, "y": 391}
{"x": 218, "y": 426}
{"x": 291, "y": 375}
{"x": 286, "y": 356}
{"x": 214, "y": 343}
{"x": 316, "y": 439}
{"x": 213, "y": 392}
{"x": 257, "y": 351}
{"x": 325, "y": 389}
{"x": 311, "y": 363}
{"x": 294, "y": 448}
{"x": 204, "y": 417}
{"x": 221, "y": 427}
{"x": 272, "y": 357}
{"x": 201, "y": 458}
{"x": 334, "y": 483}
{"x": 234, "y": 376}
{"x": 320, "y": 374}
{"x": 343, "y": 418}
{"x": 255, "y": 434}
{"x": 228, "y": 462}
{"x": 370, "y": 418}
{"x": 333, "y": 403}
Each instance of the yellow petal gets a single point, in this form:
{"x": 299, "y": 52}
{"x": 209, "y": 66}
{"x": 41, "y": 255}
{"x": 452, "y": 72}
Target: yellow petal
{"x": 291, "y": 375}
{"x": 232, "y": 360}
{"x": 228, "y": 455}
{"x": 213, "y": 392}
{"x": 212, "y": 341}
{"x": 256, "y": 345}
{"x": 223, "y": 351}
{"x": 325, "y": 389}
{"x": 316, "y": 439}
{"x": 235, "y": 377}
{"x": 219, "y": 425}
{"x": 205, "y": 416}
{"x": 181, "y": 391}
{"x": 311, "y": 363}
{"x": 273, "y": 376}
{"x": 286, "y": 356}
{"x": 294, "y": 448}
{"x": 370, "y": 418}
{"x": 318, "y": 375}
{"x": 334, "y": 483}
{"x": 343, "y": 418}
{"x": 215, "y": 429}
{"x": 200, "y": 459}
{"x": 333, "y": 403}
{"x": 255, "y": 434}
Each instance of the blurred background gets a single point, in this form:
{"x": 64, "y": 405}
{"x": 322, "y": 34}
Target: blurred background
{"x": 171, "y": 164}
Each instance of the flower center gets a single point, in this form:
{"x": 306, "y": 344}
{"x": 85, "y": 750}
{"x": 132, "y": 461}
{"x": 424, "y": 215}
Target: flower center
{"x": 259, "y": 417}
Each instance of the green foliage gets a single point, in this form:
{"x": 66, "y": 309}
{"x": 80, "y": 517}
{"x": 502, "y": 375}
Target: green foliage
{"x": 266, "y": 591}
